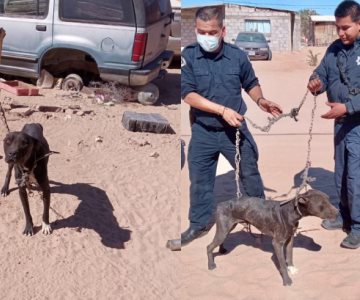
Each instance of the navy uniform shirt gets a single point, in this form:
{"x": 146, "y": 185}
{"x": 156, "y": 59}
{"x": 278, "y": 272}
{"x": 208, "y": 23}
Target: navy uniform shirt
{"x": 347, "y": 58}
{"x": 217, "y": 77}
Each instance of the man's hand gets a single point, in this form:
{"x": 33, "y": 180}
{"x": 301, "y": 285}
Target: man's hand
{"x": 232, "y": 117}
{"x": 270, "y": 107}
{"x": 337, "y": 110}
{"x": 315, "y": 85}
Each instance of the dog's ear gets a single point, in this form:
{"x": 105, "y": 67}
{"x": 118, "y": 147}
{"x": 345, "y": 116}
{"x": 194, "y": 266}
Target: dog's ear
{"x": 302, "y": 200}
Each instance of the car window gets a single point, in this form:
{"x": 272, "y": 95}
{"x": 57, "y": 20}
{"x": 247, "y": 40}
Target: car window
{"x": 251, "y": 38}
{"x": 156, "y": 9}
{"x": 98, "y": 11}
{"x": 24, "y": 8}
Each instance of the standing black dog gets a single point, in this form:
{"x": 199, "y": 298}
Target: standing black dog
{"x": 273, "y": 218}
{"x": 28, "y": 152}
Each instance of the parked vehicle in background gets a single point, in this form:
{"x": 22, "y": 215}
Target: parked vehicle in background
{"x": 122, "y": 41}
{"x": 254, "y": 44}
{"x": 174, "y": 43}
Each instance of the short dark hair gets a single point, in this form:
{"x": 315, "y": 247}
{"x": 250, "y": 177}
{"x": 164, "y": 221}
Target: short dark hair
{"x": 208, "y": 13}
{"x": 348, "y": 8}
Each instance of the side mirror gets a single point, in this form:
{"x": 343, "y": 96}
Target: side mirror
{"x": 233, "y": 40}
{"x": 268, "y": 41}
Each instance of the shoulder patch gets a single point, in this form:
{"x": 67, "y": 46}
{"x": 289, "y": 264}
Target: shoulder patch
{"x": 183, "y": 61}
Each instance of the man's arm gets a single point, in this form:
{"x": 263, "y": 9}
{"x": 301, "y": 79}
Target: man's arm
{"x": 251, "y": 85}
{"x": 266, "y": 105}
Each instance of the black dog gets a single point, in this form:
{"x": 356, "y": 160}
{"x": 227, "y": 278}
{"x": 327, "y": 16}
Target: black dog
{"x": 274, "y": 218}
{"x": 28, "y": 152}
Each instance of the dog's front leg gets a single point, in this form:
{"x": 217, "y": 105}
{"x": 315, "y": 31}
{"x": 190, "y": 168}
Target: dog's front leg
{"x": 279, "y": 252}
{"x": 289, "y": 246}
{"x": 25, "y": 204}
{"x": 46, "y": 227}
{"x": 5, "y": 188}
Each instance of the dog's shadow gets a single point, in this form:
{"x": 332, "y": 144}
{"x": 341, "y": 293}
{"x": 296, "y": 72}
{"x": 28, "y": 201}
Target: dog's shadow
{"x": 94, "y": 212}
{"x": 264, "y": 243}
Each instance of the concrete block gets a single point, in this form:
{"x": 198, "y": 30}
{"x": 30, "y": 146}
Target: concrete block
{"x": 142, "y": 122}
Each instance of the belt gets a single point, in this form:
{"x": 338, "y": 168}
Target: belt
{"x": 210, "y": 128}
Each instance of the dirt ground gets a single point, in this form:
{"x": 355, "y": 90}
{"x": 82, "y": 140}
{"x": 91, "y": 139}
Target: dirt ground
{"x": 248, "y": 271}
{"x": 114, "y": 204}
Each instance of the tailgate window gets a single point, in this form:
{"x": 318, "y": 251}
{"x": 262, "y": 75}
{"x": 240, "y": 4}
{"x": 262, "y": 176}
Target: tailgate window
{"x": 156, "y": 9}
{"x": 24, "y": 8}
{"x": 98, "y": 11}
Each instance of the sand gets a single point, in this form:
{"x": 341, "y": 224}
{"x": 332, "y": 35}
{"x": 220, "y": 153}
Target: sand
{"x": 247, "y": 271}
{"x": 114, "y": 205}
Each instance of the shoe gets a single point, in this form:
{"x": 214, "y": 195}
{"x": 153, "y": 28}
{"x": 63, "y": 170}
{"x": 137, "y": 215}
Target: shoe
{"x": 352, "y": 241}
{"x": 335, "y": 224}
{"x": 191, "y": 234}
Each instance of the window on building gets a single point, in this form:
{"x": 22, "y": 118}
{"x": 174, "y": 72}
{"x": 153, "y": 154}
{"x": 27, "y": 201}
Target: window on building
{"x": 262, "y": 26}
{"x": 24, "y": 8}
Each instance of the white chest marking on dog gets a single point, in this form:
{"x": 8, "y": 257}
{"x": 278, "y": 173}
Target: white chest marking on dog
{"x": 292, "y": 270}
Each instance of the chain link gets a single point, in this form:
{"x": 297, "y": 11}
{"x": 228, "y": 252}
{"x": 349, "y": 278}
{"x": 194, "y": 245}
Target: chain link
{"x": 4, "y": 117}
{"x": 293, "y": 114}
{"x": 237, "y": 164}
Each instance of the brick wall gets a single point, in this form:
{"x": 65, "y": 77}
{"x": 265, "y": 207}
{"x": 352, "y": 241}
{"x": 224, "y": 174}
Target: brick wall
{"x": 235, "y": 15}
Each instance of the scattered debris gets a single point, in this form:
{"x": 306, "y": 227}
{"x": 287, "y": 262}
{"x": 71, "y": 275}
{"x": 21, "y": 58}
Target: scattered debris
{"x": 70, "y": 96}
{"x": 99, "y": 139}
{"x": 155, "y": 154}
{"x": 113, "y": 92}
{"x": 141, "y": 122}
{"x": 22, "y": 111}
{"x": 15, "y": 104}
{"x": 80, "y": 113}
{"x": 133, "y": 141}
{"x": 46, "y": 80}
{"x": 46, "y": 108}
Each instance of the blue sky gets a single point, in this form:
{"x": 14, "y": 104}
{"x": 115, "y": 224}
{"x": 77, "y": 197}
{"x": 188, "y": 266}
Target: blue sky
{"x": 323, "y": 7}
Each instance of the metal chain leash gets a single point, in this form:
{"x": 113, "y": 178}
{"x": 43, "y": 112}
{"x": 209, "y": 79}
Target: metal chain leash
{"x": 2, "y": 111}
{"x": 237, "y": 164}
{"x": 305, "y": 175}
{"x": 293, "y": 114}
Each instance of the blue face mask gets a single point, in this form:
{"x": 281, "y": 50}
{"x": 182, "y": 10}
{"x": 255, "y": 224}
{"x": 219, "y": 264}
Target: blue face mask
{"x": 209, "y": 43}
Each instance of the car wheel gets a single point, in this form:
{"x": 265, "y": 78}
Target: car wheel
{"x": 72, "y": 82}
{"x": 270, "y": 55}
{"x": 148, "y": 94}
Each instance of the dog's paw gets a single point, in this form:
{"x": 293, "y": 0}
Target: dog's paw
{"x": 29, "y": 230}
{"x": 292, "y": 270}
{"x": 46, "y": 228}
{"x": 211, "y": 266}
{"x": 4, "y": 192}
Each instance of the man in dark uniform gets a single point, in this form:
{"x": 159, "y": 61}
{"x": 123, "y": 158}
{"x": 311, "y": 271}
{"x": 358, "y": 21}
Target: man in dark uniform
{"x": 213, "y": 73}
{"x": 339, "y": 75}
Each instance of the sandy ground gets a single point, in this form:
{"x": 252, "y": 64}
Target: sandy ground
{"x": 247, "y": 271}
{"x": 114, "y": 205}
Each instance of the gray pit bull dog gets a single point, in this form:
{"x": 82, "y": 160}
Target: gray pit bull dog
{"x": 274, "y": 218}
{"x": 27, "y": 151}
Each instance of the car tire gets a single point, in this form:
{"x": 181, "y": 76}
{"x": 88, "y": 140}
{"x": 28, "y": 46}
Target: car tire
{"x": 270, "y": 55}
{"x": 72, "y": 82}
{"x": 148, "y": 94}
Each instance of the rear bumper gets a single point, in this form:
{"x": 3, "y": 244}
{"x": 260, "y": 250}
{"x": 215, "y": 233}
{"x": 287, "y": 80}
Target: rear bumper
{"x": 140, "y": 76}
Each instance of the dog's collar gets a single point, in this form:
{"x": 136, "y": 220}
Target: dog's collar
{"x": 297, "y": 208}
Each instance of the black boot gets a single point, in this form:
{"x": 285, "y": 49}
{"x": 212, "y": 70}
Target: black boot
{"x": 191, "y": 234}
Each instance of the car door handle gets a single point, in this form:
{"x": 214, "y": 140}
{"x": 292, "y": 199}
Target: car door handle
{"x": 41, "y": 27}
